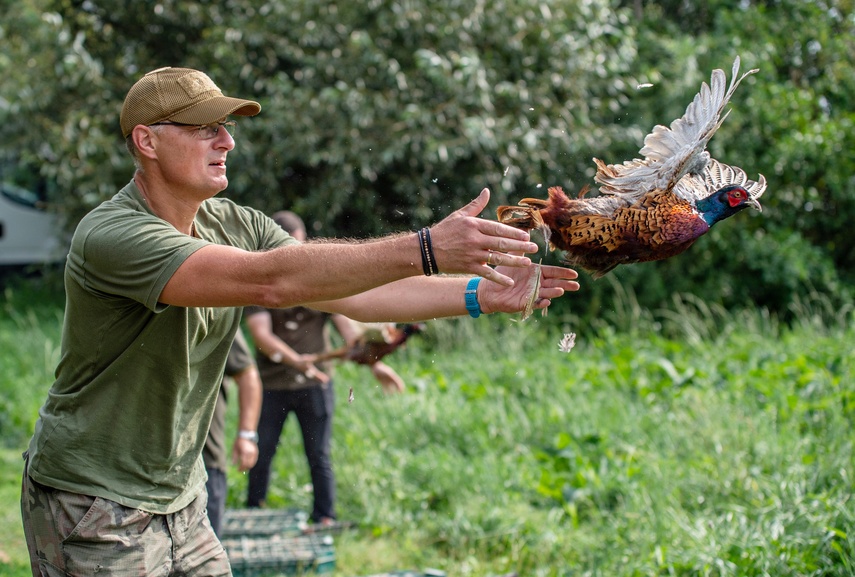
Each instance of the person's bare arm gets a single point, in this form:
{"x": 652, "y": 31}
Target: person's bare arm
{"x": 425, "y": 298}
{"x": 388, "y": 378}
{"x": 218, "y": 275}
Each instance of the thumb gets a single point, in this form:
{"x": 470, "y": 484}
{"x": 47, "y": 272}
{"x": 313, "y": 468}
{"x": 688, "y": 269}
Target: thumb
{"x": 477, "y": 205}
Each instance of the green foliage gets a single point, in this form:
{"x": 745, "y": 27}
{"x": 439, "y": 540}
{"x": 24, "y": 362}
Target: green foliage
{"x": 380, "y": 109}
{"x": 728, "y": 453}
{"x": 385, "y": 115}
{"x": 13, "y": 556}
{"x": 30, "y": 321}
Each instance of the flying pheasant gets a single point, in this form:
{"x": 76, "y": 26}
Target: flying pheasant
{"x": 651, "y": 208}
{"x": 373, "y": 344}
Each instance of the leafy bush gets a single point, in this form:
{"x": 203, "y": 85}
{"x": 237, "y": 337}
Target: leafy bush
{"x": 386, "y": 115}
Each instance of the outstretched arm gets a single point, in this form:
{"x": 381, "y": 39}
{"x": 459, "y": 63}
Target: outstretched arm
{"x": 218, "y": 275}
{"x": 425, "y": 298}
{"x": 345, "y": 328}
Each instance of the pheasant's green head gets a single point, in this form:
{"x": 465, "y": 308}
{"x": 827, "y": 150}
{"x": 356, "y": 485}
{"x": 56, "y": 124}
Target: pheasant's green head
{"x": 725, "y": 202}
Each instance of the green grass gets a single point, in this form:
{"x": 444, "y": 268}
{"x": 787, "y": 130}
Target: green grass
{"x": 688, "y": 441}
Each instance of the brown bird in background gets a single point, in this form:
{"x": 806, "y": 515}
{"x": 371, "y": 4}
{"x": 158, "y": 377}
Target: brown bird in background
{"x": 375, "y": 343}
{"x": 651, "y": 208}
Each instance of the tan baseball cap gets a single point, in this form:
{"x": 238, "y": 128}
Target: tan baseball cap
{"x": 179, "y": 95}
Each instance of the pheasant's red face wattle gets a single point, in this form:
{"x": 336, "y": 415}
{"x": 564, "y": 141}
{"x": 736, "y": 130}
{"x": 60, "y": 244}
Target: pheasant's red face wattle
{"x": 737, "y": 196}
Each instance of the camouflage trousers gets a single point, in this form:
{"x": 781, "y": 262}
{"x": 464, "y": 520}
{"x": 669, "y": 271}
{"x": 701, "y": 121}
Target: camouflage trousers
{"x": 69, "y": 534}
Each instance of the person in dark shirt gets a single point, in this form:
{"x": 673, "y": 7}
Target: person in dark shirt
{"x": 287, "y": 340}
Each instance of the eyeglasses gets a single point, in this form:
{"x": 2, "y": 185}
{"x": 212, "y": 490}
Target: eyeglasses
{"x": 205, "y": 131}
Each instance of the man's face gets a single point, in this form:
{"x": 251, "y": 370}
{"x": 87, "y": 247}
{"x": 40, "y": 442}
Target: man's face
{"x": 194, "y": 159}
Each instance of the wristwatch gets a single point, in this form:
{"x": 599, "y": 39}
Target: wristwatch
{"x": 248, "y": 435}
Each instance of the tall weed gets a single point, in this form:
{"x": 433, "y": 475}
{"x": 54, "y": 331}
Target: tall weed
{"x": 30, "y": 327}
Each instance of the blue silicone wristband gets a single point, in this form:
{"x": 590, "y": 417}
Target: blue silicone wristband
{"x": 472, "y": 297}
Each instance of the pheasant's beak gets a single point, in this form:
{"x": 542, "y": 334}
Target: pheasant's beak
{"x": 754, "y": 203}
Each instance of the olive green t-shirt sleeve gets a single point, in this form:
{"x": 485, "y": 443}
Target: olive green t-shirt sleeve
{"x": 131, "y": 255}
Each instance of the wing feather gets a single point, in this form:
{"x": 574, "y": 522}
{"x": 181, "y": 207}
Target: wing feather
{"x": 718, "y": 175}
{"x": 671, "y": 153}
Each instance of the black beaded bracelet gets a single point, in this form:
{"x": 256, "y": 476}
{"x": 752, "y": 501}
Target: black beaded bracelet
{"x": 428, "y": 259}
{"x": 423, "y": 248}
{"x": 431, "y": 259}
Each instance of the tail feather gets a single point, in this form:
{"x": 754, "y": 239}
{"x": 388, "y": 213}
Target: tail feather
{"x": 521, "y": 217}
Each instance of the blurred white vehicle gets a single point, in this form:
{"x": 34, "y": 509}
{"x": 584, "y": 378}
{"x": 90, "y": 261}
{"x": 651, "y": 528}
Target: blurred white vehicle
{"x": 29, "y": 235}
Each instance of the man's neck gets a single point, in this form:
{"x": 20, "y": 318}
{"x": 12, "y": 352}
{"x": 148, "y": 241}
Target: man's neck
{"x": 167, "y": 203}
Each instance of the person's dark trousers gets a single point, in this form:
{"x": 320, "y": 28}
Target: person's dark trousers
{"x": 313, "y": 407}
{"x": 216, "y": 487}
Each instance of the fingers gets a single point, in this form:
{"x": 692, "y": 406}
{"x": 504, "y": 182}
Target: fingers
{"x": 244, "y": 454}
{"x": 477, "y": 205}
{"x": 499, "y": 296}
{"x": 503, "y": 232}
{"x": 314, "y": 373}
{"x": 556, "y": 280}
{"x": 499, "y": 237}
{"x": 497, "y": 258}
{"x": 495, "y": 276}
{"x": 462, "y": 243}
{"x": 558, "y": 272}
{"x": 554, "y": 287}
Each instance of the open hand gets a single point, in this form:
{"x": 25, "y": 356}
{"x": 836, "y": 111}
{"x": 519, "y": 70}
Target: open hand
{"x": 463, "y": 243}
{"x": 554, "y": 281}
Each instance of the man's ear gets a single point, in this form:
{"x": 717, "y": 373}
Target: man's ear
{"x": 144, "y": 139}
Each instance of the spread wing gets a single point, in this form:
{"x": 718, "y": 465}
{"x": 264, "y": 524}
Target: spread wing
{"x": 671, "y": 153}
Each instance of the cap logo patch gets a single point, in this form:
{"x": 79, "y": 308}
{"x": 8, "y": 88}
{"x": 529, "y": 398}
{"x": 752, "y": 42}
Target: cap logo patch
{"x": 196, "y": 84}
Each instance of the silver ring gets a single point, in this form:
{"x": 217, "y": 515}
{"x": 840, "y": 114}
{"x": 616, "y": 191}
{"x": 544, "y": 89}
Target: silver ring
{"x": 489, "y": 257}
